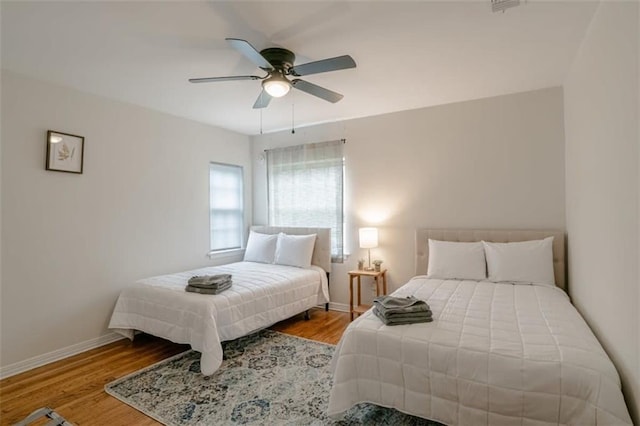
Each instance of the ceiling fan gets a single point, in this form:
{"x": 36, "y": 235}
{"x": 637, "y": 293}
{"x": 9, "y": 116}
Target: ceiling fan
{"x": 278, "y": 63}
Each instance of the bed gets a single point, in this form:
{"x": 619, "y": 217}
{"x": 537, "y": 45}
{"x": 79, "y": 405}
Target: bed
{"x": 261, "y": 295}
{"x": 495, "y": 354}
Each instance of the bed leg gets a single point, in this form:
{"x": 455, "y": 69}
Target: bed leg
{"x": 326, "y": 305}
{"x": 307, "y": 316}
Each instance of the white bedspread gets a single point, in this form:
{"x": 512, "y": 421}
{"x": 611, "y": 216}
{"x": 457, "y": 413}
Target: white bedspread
{"x": 495, "y": 354}
{"x": 261, "y": 295}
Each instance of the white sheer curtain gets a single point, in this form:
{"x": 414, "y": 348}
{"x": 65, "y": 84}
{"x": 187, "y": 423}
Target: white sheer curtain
{"x": 306, "y": 189}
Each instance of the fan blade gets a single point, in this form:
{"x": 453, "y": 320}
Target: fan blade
{"x": 231, "y": 78}
{"x": 244, "y": 47}
{"x": 325, "y": 65}
{"x": 263, "y": 100}
{"x": 316, "y": 90}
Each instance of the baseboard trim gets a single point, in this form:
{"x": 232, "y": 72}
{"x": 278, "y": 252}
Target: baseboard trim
{"x": 40, "y": 360}
{"x": 340, "y": 307}
{"x": 48, "y": 358}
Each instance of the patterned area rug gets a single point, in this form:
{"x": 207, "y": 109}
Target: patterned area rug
{"x": 266, "y": 378}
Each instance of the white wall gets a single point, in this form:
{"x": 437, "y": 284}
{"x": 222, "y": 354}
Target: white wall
{"x": 602, "y": 159}
{"x": 1, "y": 180}
{"x": 70, "y": 242}
{"x": 490, "y": 163}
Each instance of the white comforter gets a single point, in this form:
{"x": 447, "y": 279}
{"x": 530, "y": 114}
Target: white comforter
{"x": 495, "y": 354}
{"x": 261, "y": 295}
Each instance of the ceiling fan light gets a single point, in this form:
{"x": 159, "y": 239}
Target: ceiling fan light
{"x": 276, "y": 86}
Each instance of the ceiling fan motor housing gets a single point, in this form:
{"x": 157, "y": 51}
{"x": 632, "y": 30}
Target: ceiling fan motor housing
{"x": 280, "y": 58}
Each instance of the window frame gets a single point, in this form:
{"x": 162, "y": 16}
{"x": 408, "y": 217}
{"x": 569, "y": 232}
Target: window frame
{"x": 242, "y": 210}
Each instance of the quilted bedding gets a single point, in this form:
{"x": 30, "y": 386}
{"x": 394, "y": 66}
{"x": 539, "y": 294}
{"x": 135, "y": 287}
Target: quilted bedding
{"x": 261, "y": 295}
{"x": 496, "y": 354}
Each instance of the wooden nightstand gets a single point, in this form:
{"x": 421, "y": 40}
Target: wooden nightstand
{"x": 376, "y": 275}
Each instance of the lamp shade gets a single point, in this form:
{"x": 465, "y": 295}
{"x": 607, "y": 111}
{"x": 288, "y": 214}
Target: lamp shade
{"x": 368, "y": 237}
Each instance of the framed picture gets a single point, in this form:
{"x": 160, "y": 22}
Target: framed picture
{"x": 65, "y": 152}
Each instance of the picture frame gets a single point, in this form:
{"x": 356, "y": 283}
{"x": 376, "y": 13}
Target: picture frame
{"x": 65, "y": 152}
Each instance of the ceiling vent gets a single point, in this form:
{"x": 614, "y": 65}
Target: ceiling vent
{"x": 502, "y": 5}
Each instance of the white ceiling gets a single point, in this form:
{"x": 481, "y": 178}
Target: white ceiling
{"x": 409, "y": 54}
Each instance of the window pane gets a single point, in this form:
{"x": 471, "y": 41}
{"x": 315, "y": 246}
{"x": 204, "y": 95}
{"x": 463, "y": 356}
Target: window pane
{"x": 306, "y": 189}
{"x": 226, "y": 204}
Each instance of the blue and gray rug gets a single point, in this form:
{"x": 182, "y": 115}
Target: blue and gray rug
{"x": 267, "y": 378}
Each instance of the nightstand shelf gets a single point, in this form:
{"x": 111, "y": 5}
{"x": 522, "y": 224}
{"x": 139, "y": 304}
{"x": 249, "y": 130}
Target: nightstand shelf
{"x": 381, "y": 288}
{"x": 360, "y": 309}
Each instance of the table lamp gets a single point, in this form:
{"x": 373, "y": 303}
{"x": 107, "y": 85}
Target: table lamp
{"x": 368, "y": 240}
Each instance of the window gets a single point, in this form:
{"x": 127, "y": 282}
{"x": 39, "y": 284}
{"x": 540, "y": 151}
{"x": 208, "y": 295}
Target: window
{"x": 226, "y": 220}
{"x": 306, "y": 189}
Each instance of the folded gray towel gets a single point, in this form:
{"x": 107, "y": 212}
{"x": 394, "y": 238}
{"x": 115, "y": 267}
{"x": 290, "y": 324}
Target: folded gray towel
{"x": 397, "y": 305}
{"x": 402, "y": 315}
{"x": 390, "y": 323}
{"x": 422, "y": 307}
{"x": 210, "y": 280}
{"x": 398, "y": 302}
{"x": 410, "y": 319}
{"x": 210, "y": 286}
{"x": 201, "y": 290}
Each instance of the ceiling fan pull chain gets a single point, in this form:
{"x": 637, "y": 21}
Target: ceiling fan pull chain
{"x": 261, "y": 119}
{"x": 293, "y": 104}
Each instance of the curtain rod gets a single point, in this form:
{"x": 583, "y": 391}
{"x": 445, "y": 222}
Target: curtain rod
{"x": 341, "y": 140}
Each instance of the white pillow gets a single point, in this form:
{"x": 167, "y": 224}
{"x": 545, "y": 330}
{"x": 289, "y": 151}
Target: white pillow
{"x": 453, "y": 260}
{"x": 295, "y": 250}
{"x": 261, "y": 248}
{"x": 527, "y": 262}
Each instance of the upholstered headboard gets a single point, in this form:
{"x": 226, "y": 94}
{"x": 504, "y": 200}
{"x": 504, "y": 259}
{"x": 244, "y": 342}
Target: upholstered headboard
{"x": 322, "y": 250}
{"x": 498, "y": 236}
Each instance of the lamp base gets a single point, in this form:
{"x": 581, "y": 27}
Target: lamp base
{"x": 369, "y": 268}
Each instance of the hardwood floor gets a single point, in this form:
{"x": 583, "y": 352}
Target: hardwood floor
{"x": 323, "y": 326}
{"x": 73, "y": 387}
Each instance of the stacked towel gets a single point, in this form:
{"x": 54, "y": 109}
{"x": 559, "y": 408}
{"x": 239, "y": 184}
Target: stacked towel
{"x": 209, "y": 284}
{"x": 401, "y": 310}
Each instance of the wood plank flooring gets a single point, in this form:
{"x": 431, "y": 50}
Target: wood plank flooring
{"x": 73, "y": 387}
